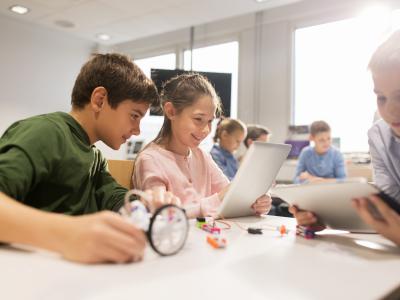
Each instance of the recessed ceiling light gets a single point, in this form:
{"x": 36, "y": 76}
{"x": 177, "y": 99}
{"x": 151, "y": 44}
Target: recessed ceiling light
{"x": 103, "y": 36}
{"x": 18, "y": 9}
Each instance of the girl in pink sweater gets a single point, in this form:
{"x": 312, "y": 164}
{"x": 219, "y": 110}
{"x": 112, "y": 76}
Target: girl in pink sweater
{"x": 175, "y": 161}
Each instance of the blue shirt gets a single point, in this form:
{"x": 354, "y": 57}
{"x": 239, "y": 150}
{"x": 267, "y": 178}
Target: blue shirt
{"x": 225, "y": 161}
{"x": 327, "y": 165}
{"x": 384, "y": 147}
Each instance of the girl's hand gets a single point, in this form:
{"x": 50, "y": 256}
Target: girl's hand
{"x": 222, "y": 192}
{"x": 262, "y": 205}
{"x": 305, "y": 218}
{"x": 388, "y": 225}
{"x": 158, "y": 196}
{"x": 100, "y": 237}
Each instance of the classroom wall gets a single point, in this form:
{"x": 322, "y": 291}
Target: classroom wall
{"x": 38, "y": 67}
{"x": 265, "y": 53}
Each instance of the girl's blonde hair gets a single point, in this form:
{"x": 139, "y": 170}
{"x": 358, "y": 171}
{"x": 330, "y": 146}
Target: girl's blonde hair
{"x": 387, "y": 55}
{"x": 183, "y": 91}
{"x": 229, "y": 125}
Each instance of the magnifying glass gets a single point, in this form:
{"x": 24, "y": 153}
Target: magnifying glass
{"x": 166, "y": 229}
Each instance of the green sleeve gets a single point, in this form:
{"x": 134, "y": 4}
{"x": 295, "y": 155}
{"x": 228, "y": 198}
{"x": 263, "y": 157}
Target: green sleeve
{"x": 109, "y": 194}
{"x": 29, "y": 153}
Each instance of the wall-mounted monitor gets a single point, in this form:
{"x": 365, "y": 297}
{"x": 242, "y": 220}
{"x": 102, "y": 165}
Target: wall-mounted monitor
{"x": 222, "y": 83}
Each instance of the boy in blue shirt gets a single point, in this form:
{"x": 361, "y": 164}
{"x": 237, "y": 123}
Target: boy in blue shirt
{"x": 384, "y": 141}
{"x": 321, "y": 162}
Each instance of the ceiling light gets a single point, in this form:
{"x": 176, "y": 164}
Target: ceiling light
{"x": 259, "y": 1}
{"x": 103, "y": 36}
{"x": 18, "y": 9}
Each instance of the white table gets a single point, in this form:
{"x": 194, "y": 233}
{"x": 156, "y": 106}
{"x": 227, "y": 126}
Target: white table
{"x": 333, "y": 266}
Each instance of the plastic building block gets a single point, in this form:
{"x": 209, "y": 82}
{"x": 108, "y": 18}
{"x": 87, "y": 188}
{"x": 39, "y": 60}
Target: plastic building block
{"x": 216, "y": 241}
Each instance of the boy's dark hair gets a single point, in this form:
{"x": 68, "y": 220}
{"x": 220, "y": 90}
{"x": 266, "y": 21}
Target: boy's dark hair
{"x": 254, "y": 132}
{"x": 122, "y": 79}
{"x": 318, "y": 127}
{"x": 229, "y": 125}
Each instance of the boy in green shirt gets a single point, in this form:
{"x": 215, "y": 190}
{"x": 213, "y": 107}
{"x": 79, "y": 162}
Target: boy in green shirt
{"x": 49, "y": 162}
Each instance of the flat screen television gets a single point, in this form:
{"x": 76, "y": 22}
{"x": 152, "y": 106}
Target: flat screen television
{"x": 222, "y": 83}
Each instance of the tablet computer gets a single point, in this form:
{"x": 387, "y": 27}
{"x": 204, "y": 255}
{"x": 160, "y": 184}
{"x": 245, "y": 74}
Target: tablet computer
{"x": 331, "y": 202}
{"x": 255, "y": 176}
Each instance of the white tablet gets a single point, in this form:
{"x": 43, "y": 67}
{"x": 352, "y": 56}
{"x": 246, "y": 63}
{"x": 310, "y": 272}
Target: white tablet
{"x": 330, "y": 201}
{"x": 255, "y": 176}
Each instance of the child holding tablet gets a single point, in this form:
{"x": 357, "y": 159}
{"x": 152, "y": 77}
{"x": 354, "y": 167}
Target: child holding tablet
{"x": 175, "y": 161}
{"x": 384, "y": 142}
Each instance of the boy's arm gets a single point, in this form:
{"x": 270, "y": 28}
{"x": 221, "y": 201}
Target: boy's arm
{"x": 16, "y": 173}
{"x": 101, "y": 237}
{"x": 29, "y": 153}
{"x": 340, "y": 170}
{"x": 109, "y": 194}
{"x": 382, "y": 177}
{"x": 301, "y": 167}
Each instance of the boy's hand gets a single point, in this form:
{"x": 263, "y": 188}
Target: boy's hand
{"x": 388, "y": 226}
{"x": 305, "y": 176}
{"x": 305, "y": 218}
{"x": 101, "y": 237}
{"x": 262, "y": 205}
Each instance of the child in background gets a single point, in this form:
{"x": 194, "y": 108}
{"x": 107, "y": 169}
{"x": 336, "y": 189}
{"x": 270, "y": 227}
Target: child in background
{"x": 228, "y": 136}
{"x": 256, "y": 133}
{"x": 175, "y": 161}
{"x": 49, "y": 162}
{"x": 384, "y": 142}
{"x": 322, "y": 162}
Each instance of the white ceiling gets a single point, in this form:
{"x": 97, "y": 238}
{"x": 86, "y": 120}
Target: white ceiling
{"x": 127, "y": 20}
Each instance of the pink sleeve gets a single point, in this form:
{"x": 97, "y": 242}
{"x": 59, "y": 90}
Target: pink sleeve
{"x": 209, "y": 205}
{"x": 147, "y": 174}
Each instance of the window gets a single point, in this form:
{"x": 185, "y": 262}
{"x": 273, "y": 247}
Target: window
{"x": 151, "y": 126}
{"x": 332, "y": 82}
{"x": 222, "y": 58}
{"x": 166, "y": 61}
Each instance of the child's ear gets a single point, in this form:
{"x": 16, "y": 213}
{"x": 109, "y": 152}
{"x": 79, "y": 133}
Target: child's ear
{"x": 224, "y": 134}
{"x": 98, "y": 98}
{"x": 169, "y": 110}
